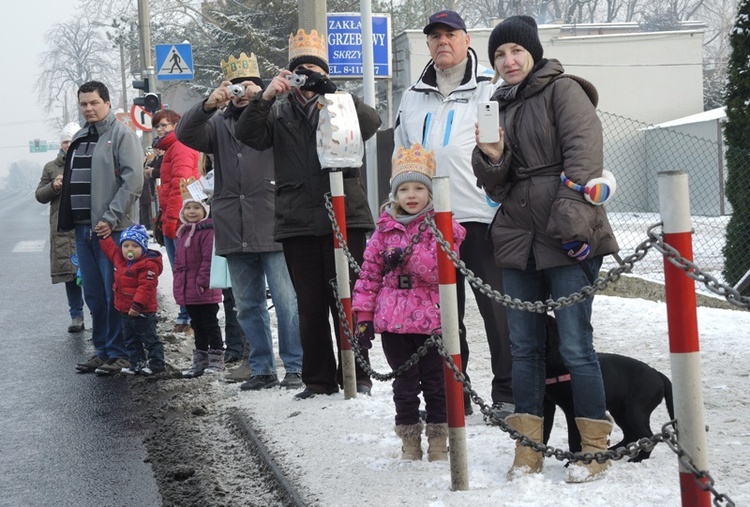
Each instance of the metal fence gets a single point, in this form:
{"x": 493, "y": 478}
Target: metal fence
{"x": 636, "y": 152}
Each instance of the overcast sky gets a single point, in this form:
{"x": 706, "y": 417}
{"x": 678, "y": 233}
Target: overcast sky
{"x": 21, "y": 48}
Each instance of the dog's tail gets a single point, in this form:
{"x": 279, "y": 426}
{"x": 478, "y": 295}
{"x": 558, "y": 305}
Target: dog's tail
{"x": 668, "y": 394}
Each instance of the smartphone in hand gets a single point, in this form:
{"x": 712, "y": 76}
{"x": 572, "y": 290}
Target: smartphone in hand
{"x": 488, "y": 119}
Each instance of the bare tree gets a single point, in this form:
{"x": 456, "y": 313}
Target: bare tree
{"x": 78, "y": 53}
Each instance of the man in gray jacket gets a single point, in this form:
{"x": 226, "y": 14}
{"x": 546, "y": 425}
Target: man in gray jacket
{"x": 102, "y": 181}
{"x": 243, "y": 212}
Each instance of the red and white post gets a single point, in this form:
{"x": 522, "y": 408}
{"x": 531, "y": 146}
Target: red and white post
{"x": 449, "y": 319}
{"x": 342, "y": 281}
{"x": 674, "y": 206}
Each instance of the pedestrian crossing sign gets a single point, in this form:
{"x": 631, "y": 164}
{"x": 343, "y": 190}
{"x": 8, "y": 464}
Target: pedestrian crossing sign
{"x": 174, "y": 61}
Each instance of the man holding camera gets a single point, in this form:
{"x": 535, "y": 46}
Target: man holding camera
{"x": 242, "y": 210}
{"x": 440, "y": 110}
{"x": 302, "y": 223}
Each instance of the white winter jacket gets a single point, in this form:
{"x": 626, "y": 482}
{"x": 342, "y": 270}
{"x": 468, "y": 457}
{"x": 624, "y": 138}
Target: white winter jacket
{"x": 446, "y": 125}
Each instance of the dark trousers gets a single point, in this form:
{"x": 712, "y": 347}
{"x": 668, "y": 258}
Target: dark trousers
{"x": 312, "y": 266}
{"x": 205, "y": 324}
{"x": 234, "y": 338}
{"x": 426, "y": 377}
{"x": 478, "y": 252}
{"x": 140, "y": 332}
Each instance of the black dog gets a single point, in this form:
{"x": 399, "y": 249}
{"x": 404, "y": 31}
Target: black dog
{"x": 633, "y": 390}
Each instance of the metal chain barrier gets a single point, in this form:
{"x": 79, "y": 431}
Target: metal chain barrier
{"x": 696, "y": 273}
{"x": 668, "y": 432}
{"x": 339, "y": 236}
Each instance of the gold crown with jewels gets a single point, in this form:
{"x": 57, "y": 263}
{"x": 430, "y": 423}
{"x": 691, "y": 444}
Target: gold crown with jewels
{"x": 302, "y": 44}
{"x": 242, "y": 67}
{"x": 415, "y": 159}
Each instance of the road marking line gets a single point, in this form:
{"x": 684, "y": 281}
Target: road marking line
{"x": 29, "y": 246}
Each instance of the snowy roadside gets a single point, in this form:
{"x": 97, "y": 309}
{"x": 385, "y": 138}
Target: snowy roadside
{"x": 344, "y": 452}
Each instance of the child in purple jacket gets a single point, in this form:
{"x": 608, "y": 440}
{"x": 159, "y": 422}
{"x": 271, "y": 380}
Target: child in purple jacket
{"x": 192, "y": 273}
{"x": 397, "y": 295}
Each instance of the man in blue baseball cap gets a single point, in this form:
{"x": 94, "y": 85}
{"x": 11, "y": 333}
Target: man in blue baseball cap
{"x": 448, "y": 18}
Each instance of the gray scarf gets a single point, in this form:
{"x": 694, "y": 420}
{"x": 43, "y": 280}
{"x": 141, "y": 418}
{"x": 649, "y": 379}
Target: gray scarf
{"x": 406, "y": 219}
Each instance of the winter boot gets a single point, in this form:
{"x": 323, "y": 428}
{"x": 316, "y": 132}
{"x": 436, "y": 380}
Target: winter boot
{"x": 200, "y": 363}
{"x": 411, "y": 438}
{"x": 215, "y": 361}
{"x": 594, "y": 438}
{"x": 526, "y": 460}
{"x": 437, "y": 438}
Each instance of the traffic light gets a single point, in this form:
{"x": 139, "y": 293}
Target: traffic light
{"x": 37, "y": 145}
{"x": 150, "y": 101}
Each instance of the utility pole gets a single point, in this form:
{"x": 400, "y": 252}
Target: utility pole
{"x": 147, "y": 62}
{"x": 311, "y": 15}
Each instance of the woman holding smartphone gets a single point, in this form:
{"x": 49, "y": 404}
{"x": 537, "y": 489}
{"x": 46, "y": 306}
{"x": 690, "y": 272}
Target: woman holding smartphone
{"x": 549, "y": 239}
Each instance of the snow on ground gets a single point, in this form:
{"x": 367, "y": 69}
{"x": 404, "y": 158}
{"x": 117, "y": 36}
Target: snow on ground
{"x": 344, "y": 452}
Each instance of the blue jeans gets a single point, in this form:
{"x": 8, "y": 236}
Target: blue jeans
{"x": 75, "y": 299}
{"x": 140, "y": 332}
{"x": 249, "y": 273}
{"x": 527, "y": 335}
{"x": 98, "y": 275}
{"x": 170, "y": 245}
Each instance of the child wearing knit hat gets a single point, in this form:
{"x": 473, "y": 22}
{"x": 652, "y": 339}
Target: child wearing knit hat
{"x": 192, "y": 274}
{"x": 397, "y": 295}
{"x": 137, "y": 271}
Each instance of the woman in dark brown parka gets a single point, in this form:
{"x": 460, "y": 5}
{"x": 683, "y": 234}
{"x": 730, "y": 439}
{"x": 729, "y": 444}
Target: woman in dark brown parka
{"x": 549, "y": 240}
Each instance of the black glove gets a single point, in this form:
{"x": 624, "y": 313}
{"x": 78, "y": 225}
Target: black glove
{"x": 316, "y": 82}
{"x": 392, "y": 257}
{"x": 365, "y": 333}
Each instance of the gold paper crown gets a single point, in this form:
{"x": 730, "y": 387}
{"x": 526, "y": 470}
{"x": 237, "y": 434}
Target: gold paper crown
{"x": 415, "y": 159}
{"x": 242, "y": 67}
{"x": 302, "y": 44}
{"x": 184, "y": 192}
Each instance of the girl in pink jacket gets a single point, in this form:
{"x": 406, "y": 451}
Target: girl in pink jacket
{"x": 397, "y": 295}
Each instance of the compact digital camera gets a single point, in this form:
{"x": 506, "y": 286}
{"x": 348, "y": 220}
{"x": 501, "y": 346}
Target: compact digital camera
{"x": 296, "y": 80}
{"x": 236, "y": 90}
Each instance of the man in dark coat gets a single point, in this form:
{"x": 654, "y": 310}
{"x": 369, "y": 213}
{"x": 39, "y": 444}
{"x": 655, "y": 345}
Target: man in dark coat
{"x": 243, "y": 210}
{"x": 302, "y": 224}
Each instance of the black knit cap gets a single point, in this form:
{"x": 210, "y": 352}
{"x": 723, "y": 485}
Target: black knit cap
{"x": 296, "y": 62}
{"x": 519, "y": 30}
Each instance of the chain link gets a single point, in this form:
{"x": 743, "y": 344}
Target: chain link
{"x": 668, "y": 432}
{"x": 339, "y": 236}
{"x": 732, "y": 295}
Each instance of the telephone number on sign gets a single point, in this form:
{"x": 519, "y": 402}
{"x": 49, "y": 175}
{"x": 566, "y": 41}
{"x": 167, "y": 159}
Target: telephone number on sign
{"x": 353, "y": 69}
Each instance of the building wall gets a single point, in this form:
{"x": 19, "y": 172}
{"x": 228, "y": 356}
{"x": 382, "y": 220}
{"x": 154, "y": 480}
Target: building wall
{"x": 650, "y": 77}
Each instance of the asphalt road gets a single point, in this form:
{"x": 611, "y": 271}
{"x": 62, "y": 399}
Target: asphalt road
{"x": 66, "y": 439}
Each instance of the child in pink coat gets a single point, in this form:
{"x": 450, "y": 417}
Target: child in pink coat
{"x": 397, "y": 295}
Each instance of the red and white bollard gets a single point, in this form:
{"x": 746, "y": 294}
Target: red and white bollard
{"x": 449, "y": 318}
{"x": 674, "y": 206}
{"x": 342, "y": 281}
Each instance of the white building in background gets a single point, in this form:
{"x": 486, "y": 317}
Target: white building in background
{"x": 651, "y": 77}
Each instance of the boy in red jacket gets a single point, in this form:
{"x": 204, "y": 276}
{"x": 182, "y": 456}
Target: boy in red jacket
{"x": 137, "y": 271}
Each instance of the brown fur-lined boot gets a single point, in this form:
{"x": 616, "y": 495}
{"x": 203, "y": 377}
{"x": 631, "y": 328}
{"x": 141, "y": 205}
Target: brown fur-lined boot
{"x": 526, "y": 460}
{"x": 411, "y": 439}
{"x": 437, "y": 438}
{"x": 594, "y": 438}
